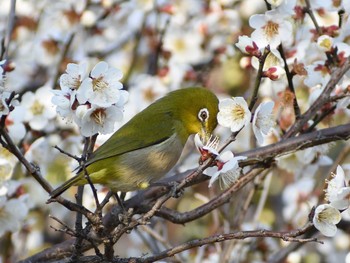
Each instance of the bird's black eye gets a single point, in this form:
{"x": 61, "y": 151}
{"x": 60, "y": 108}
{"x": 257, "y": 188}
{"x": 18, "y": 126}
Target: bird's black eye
{"x": 203, "y": 115}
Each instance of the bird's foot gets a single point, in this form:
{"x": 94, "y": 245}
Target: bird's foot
{"x": 175, "y": 191}
{"x": 125, "y": 216}
{"x": 120, "y": 201}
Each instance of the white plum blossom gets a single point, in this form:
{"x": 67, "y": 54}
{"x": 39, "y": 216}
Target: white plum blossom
{"x": 270, "y": 29}
{"x": 145, "y": 89}
{"x": 338, "y": 189}
{"x": 325, "y": 219}
{"x": 12, "y": 214}
{"x": 75, "y": 74}
{"x": 15, "y": 124}
{"x": 39, "y": 110}
{"x": 263, "y": 120}
{"x": 207, "y": 149}
{"x": 96, "y": 102}
{"x": 93, "y": 120}
{"x": 185, "y": 47}
{"x": 226, "y": 169}
{"x": 317, "y": 74}
{"x": 103, "y": 87}
{"x": 47, "y": 51}
{"x": 234, "y": 113}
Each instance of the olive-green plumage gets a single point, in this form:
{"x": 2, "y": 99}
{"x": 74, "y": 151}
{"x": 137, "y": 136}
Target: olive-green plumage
{"x": 150, "y": 144}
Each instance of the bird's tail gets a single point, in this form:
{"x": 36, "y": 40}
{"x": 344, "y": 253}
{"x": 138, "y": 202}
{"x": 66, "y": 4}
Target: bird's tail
{"x": 59, "y": 190}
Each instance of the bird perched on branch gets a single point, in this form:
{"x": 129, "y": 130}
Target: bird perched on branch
{"x": 150, "y": 144}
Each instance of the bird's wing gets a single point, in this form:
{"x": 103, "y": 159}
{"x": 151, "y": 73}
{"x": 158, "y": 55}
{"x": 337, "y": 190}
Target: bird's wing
{"x": 141, "y": 131}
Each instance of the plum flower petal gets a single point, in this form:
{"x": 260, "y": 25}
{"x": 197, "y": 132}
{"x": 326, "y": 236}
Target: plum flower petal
{"x": 338, "y": 190}
{"x": 263, "y": 120}
{"x": 325, "y": 219}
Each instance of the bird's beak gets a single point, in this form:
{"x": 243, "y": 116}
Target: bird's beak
{"x": 204, "y": 134}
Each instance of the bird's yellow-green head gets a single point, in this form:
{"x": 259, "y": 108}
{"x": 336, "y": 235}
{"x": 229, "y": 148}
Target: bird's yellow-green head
{"x": 195, "y": 109}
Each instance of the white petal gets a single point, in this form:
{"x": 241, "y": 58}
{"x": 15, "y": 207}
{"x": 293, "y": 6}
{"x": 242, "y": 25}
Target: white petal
{"x": 197, "y": 141}
{"x": 237, "y": 125}
{"x": 99, "y": 69}
{"x": 213, "y": 179}
{"x": 326, "y": 229}
{"x": 226, "y": 104}
{"x": 226, "y": 156}
{"x": 258, "y": 134}
{"x": 224, "y": 119}
{"x": 113, "y": 73}
{"x": 340, "y": 173}
{"x": 257, "y": 21}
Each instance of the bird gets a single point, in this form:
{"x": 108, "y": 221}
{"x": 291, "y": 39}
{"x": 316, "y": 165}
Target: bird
{"x": 146, "y": 148}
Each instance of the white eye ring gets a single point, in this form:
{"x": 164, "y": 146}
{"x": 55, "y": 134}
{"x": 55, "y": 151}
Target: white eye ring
{"x": 203, "y": 115}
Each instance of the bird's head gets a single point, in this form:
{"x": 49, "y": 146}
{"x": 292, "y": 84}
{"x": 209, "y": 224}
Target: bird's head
{"x": 196, "y": 110}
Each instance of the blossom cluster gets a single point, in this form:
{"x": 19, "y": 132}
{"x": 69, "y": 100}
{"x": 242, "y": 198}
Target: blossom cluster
{"x": 234, "y": 114}
{"x": 94, "y": 101}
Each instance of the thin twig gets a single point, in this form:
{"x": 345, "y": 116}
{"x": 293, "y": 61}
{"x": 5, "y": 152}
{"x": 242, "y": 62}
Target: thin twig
{"x": 259, "y": 77}
{"x": 68, "y": 154}
{"x": 134, "y": 56}
{"x": 154, "y": 56}
{"x": 66, "y": 229}
{"x": 319, "y": 118}
{"x": 290, "y": 82}
{"x": 292, "y": 236}
{"x": 106, "y": 199}
{"x": 308, "y": 10}
{"x": 63, "y": 56}
{"x": 30, "y": 168}
{"x": 10, "y": 26}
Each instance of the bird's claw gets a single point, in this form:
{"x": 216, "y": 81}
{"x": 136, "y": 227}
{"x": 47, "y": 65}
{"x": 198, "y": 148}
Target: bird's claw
{"x": 175, "y": 191}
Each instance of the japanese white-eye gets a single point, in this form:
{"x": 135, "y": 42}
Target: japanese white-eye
{"x": 150, "y": 144}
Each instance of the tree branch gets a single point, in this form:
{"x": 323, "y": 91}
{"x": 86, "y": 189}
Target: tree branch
{"x": 337, "y": 74}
